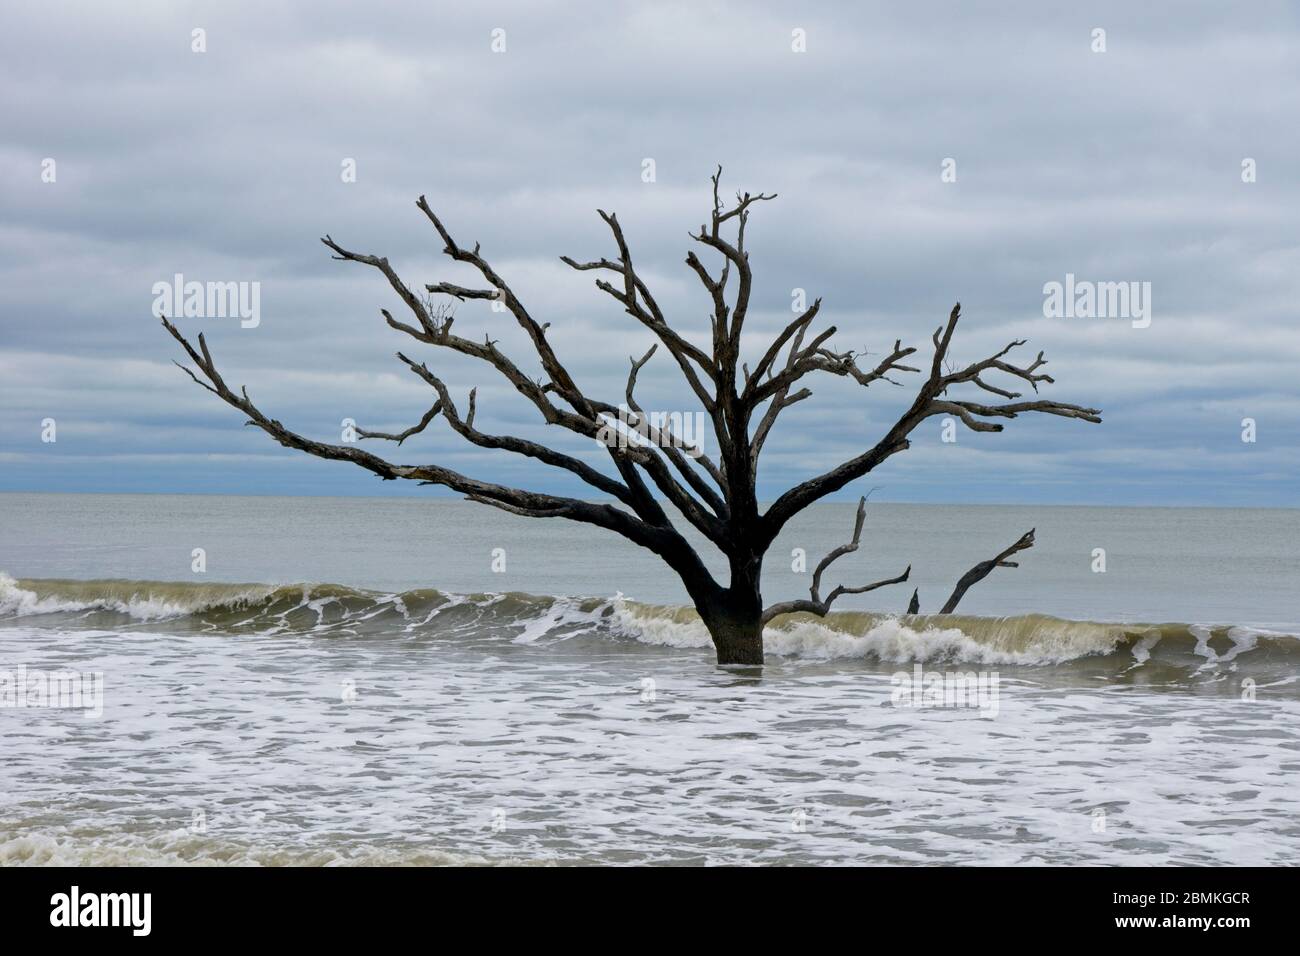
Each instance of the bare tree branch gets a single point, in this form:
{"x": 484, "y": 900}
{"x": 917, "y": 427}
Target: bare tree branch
{"x": 584, "y": 418}
{"x": 781, "y": 399}
{"x": 402, "y": 436}
{"x": 465, "y": 428}
{"x": 728, "y": 334}
{"x": 796, "y": 329}
{"x": 816, "y": 358}
{"x": 605, "y": 516}
{"x": 674, "y": 448}
{"x": 984, "y": 569}
{"x": 927, "y": 404}
{"x": 819, "y": 606}
{"x": 646, "y": 310}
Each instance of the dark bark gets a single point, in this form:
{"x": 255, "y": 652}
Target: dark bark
{"x": 819, "y": 605}
{"x": 984, "y": 569}
{"x": 734, "y": 617}
{"x": 715, "y": 495}
{"x": 737, "y": 635}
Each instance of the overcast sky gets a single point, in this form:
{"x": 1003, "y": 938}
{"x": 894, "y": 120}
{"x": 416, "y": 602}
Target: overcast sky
{"x": 226, "y": 165}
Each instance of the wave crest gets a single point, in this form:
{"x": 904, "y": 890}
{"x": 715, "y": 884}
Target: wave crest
{"x": 1028, "y": 639}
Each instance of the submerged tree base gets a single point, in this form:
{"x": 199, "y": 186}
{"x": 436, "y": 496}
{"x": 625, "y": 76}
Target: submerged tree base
{"x": 737, "y": 642}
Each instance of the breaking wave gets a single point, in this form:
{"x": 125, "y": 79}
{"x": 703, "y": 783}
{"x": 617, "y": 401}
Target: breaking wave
{"x": 338, "y": 610}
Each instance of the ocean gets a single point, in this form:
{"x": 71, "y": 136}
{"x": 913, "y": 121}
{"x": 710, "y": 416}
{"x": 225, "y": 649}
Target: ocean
{"x": 405, "y": 681}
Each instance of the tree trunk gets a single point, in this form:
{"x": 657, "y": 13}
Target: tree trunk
{"x": 738, "y": 639}
{"x": 735, "y": 617}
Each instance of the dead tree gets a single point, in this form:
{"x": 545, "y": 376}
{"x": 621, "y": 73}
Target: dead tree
{"x": 715, "y": 494}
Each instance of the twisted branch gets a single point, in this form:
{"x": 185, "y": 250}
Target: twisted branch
{"x": 930, "y": 401}
{"x": 984, "y": 569}
{"x": 819, "y": 606}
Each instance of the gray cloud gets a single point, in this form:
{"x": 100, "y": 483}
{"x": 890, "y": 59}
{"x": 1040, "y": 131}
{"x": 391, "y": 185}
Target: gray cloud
{"x": 225, "y": 165}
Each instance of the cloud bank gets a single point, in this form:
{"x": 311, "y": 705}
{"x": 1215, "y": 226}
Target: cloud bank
{"x": 227, "y": 164}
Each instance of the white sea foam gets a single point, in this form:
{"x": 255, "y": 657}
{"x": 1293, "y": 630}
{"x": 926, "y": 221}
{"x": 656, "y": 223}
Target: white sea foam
{"x": 582, "y": 765}
{"x": 560, "y": 612}
{"x": 880, "y": 638}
